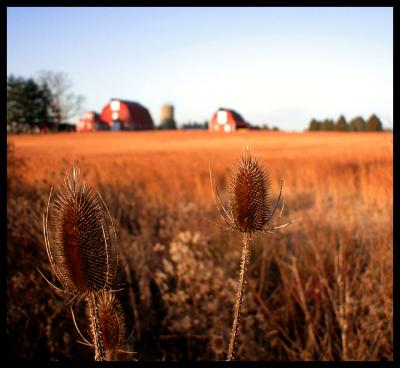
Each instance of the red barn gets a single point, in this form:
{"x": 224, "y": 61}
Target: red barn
{"x": 227, "y": 120}
{"x": 126, "y": 115}
{"x": 91, "y": 122}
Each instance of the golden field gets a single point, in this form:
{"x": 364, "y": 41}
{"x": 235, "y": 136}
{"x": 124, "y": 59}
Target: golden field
{"x": 319, "y": 289}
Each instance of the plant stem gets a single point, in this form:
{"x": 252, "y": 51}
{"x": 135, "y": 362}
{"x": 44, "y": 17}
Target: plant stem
{"x": 239, "y": 296}
{"x": 95, "y": 325}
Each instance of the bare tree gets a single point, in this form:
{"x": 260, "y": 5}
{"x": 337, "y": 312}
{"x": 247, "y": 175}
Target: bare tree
{"x": 64, "y": 104}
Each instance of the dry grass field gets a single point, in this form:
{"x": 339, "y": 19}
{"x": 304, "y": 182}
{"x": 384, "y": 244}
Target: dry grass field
{"x": 319, "y": 289}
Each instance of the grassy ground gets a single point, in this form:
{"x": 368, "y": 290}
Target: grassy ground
{"x": 320, "y": 289}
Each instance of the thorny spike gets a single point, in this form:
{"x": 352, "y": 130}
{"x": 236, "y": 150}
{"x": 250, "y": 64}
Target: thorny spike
{"x": 279, "y": 198}
{"x": 213, "y": 188}
{"x": 126, "y": 352}
{"x": 226, "y": 228}
{"x": 75, "y": 296}
{"x": 115, "y": 235}
{"x": 220, "y": 207}
{"x": 47, "y": 242}
{"x": 84, "y": 343}
{"x": 49, "y": 282}
{"x": 77, "y": 328}
{"x": 107, "y": 260}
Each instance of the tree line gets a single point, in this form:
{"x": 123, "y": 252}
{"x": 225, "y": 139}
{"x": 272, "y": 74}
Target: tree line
{"x": 266, "y": 127}
{"x": 44, "y": 103}
{"x": 194, "y": 125}
{"x": 357, "y": 124}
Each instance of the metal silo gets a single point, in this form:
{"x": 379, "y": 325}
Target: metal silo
{"x": 167, "y": 116}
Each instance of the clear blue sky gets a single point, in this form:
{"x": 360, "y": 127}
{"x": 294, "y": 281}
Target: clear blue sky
{"x": 280, "y": 66}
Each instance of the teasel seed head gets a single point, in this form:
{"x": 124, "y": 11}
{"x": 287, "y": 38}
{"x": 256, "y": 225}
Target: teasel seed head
{"x": 249, "y": 211}
{"x": 82, "y": 259}
{"x": 249, "y": 194}
{"x": 249, "y": 208}
{"x": 112, "y": 321}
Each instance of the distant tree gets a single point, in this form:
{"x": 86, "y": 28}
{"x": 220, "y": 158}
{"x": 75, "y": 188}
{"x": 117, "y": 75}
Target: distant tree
{"x": 195, "y": 125}
{"x": 374, "y": 124}
{"x": 28, "y": 104}
{"x": 275, "y": 128}
{"x": 357, "y": 124}
{"x": 64, "y": 103}
{"x": 265, "y": 127}
{"x": 315, "y": 125}
{"x": 341, "y": 124}
{"x": 328, "y": 125}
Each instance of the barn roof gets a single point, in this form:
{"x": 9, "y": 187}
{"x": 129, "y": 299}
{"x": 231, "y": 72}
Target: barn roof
{"x": 137, "y": 110}
{"x": 238, "y": 118}
{"x": 130, "y": 104}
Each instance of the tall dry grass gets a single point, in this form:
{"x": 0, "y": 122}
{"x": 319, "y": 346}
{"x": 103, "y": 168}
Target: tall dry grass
{"x": 320, "y": 290}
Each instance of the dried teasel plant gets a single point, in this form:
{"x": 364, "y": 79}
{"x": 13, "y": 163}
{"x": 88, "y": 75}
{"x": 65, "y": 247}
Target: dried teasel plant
{"x": 82, "y": 251}
{"x": 111, "y": 323}
{"x": 249, "y": 211}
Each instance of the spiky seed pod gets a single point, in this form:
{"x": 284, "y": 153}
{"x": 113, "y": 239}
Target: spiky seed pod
{"x": 112, "y": 322}
{"x": 249, "y": 211}
{"x": 82, "y": 260}
{"x": 249, "y": 194}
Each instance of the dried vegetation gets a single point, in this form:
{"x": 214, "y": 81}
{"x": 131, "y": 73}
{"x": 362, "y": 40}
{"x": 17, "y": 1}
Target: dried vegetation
{"x": 319, "y": 290}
